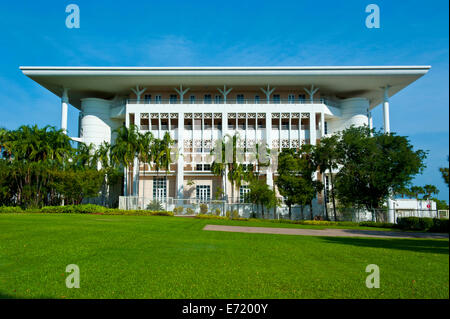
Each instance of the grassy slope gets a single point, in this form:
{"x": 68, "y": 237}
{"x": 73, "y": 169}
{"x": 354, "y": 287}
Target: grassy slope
{"x": 166, "y": 257}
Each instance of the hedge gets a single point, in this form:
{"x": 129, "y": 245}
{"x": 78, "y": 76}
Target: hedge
{"x": 423, "y": 224}
{"x": 83, "y": 209}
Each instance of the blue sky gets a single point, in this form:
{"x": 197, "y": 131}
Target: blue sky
{"x": 234, "y": 33}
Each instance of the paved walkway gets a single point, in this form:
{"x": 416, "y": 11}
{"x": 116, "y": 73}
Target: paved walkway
{"x": 329, "y": 232}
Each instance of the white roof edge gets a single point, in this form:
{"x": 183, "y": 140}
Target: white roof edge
{"x": 240, "y": 68}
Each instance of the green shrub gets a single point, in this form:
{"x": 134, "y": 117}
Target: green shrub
{"x": 11, "y": 209}
{"x": 217, "y": 212}
{"x": 72, "y": 209}
{"x": 203, "y": 208}
{"x": 137, "y": 212}
{"x": 189, "y": 211}
{"x": 377, "y": 224}
{"x": 155, "y": 205}
{"x": 440, "y": 225}
{"x": 425, "y": 224}
{"x": 178, "y": 210}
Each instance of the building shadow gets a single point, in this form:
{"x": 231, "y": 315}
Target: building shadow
{"x": 416, "y": 245}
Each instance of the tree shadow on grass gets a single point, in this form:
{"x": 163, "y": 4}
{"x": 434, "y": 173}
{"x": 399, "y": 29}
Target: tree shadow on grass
{"x": 416, "y": 245}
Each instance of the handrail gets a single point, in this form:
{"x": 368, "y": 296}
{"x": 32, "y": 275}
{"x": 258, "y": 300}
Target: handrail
{"x": 230, "y": 101}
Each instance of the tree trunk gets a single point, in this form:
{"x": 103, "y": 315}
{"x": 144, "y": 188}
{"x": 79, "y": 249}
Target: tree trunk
{"x": 324, "y": 197}
{"x": 332, "y": 196}
{"x": 290, "y": 211}
{"x": 311, "y": 211}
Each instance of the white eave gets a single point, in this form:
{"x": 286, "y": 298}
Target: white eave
{"x": 342, "y": 81}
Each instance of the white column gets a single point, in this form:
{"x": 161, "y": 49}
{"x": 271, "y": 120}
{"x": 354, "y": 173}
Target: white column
{"x": 387, "y": 126}
{"x": 312, "y": 128}
{"x": 387, "y": 129}
{"x": 180, "y": 159}
{"x": 322, "y": 125}
{"x": 64, "y": 107}
{"x": 269, "y": 173}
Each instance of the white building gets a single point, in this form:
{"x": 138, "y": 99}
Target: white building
{"x": 281, "y": 106}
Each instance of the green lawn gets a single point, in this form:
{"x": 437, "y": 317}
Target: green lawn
{"x": 171, "y": 257}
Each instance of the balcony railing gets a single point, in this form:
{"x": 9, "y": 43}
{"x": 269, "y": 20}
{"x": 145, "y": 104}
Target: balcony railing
{"x": 230, "y": 101}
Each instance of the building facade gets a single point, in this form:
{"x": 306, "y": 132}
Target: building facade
{"x": 281, "y": 107}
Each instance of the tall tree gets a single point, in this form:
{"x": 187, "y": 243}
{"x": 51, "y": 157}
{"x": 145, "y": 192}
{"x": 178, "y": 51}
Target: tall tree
{"x": 444, "y": 172}
{"x": 374, "y": 166}
{"x": 288, "y": 181}
{"x": 430, "y": 190}
{"x": 125, "y": 150}
{"x": 326, "y": 156}
{"x": 416, "y": 191}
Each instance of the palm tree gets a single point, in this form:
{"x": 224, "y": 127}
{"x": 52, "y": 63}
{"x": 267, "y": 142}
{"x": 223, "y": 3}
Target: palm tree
{"x": 430, "y": 190}
{"x": 218, "y": 166}
{"x": 416, "y": 191}
{"x": 233, "y": 165}
{"x": 326, "y": 156}
{"x": 145, "y": 155}
{"x": 260, "y": 156}
{"x": 125, "y": 150}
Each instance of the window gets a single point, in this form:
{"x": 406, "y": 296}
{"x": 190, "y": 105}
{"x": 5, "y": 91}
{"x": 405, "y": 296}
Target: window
{"x": 207, "y": 99}
{"x": 291, "y": 98}
{"x": 131, "y": 118}
{"x": 148, "y": 98}
{"x": 241, "y": 124}
{"x": 158, "y": 99}
{"x": 285, "y": 124}
{"x": 257, "y": 100}
{"x": 218, "y": 99}
{"x": 173, "y": 99}
{"x": 192, "y": 99}
{"x": 159, "y": 188}
{"x": 207, "y": 167}
{"x": 217, "y": 124}
{"x": 144, "y": 124}
{"x": 294, "y": 124}
{"x": 203, "y": 192}
{"x": 155, "y": 124}
{"x": 199, "y": 167}
{"x": 325, "y": 128}
{"x": 301, "y": 98}
{"x": 188, "y": 124}
{"x": 244, "y": 191}
{"x": 261, "y": 123}
{"x": 164, "y": 124}
{"x": 240, "y": 99}
{"x": 276, "y": 98}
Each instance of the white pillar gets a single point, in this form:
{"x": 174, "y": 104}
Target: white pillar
{"x": 312, "y": 128}
{"x": 269, "y": 173}
{"x": 322, "y": 125}
{"x": 387, "y": 126}
{"x": 387, "y": 129}
{"x": 180, "y": 159}
{"x": 64, "y": 107}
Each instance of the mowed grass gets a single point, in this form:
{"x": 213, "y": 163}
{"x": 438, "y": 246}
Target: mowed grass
{"x": 172, "y": 257}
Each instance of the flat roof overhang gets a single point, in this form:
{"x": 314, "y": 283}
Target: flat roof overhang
{"x": 342, "y": 81}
